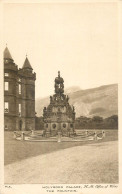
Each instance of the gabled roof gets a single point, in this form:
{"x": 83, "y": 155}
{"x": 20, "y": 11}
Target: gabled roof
{"x": 7, "y": 54}
{"x": 27, "y": 64}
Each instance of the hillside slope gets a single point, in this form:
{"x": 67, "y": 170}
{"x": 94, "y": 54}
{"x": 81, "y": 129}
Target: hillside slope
{"x": 101, "y": 101}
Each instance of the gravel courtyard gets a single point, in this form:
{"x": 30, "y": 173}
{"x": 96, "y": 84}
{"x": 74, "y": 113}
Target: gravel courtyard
{"x": 91, "y": 163}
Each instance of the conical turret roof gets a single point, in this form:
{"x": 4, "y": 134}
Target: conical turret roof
{"x": 7, "y": 54}
{"x": 27, "y": 64}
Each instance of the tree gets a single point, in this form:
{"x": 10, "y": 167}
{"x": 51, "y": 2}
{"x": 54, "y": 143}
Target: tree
{"x": 97, "y": 119}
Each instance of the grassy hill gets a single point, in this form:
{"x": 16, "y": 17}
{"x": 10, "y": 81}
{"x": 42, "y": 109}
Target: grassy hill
{"x": 101, "y": 101}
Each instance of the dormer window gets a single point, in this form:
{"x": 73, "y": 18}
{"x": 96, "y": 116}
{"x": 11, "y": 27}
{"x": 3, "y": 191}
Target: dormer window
{"x": 6, "y": 74}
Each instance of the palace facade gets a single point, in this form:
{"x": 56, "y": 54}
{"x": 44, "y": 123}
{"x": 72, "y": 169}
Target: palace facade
{"x": 19, "y": 95}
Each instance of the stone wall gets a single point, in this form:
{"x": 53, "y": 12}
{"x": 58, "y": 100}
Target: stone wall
{"x": 9, "y": 123}
{"x": 30, "y": 124}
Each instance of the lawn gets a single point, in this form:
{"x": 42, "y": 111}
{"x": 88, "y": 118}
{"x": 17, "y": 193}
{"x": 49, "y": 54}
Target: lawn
{"x": 20, "y": 150}
{"x": 93, "y": 162}
{"x": 86, "y": 164}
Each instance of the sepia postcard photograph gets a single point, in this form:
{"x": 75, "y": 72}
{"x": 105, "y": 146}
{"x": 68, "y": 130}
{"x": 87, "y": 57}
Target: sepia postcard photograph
{"x": 61, "y": 89}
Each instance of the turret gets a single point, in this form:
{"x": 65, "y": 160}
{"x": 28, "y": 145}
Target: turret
{"x": 28, "y": 89}
{"x": 10, "y": 89}
{"x": 7, "y": 55}
{"x": 27, "y": 65}
{"x": 8, "y": 61}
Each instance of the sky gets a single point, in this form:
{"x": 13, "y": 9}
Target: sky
{"x": 78, "y": 39}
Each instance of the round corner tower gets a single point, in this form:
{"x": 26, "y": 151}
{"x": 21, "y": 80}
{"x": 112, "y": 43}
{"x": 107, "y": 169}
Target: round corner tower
{"x": 10, "y": 80}
{"x": 27, "y": 100}
{"x": 19, "y": 95}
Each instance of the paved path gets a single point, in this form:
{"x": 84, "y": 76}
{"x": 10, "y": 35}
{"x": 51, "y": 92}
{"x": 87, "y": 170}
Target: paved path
{"x": 95, "y": 163}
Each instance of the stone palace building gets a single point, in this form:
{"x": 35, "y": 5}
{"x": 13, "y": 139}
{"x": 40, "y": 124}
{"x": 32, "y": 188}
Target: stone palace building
{"x": 19, "y": 94}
